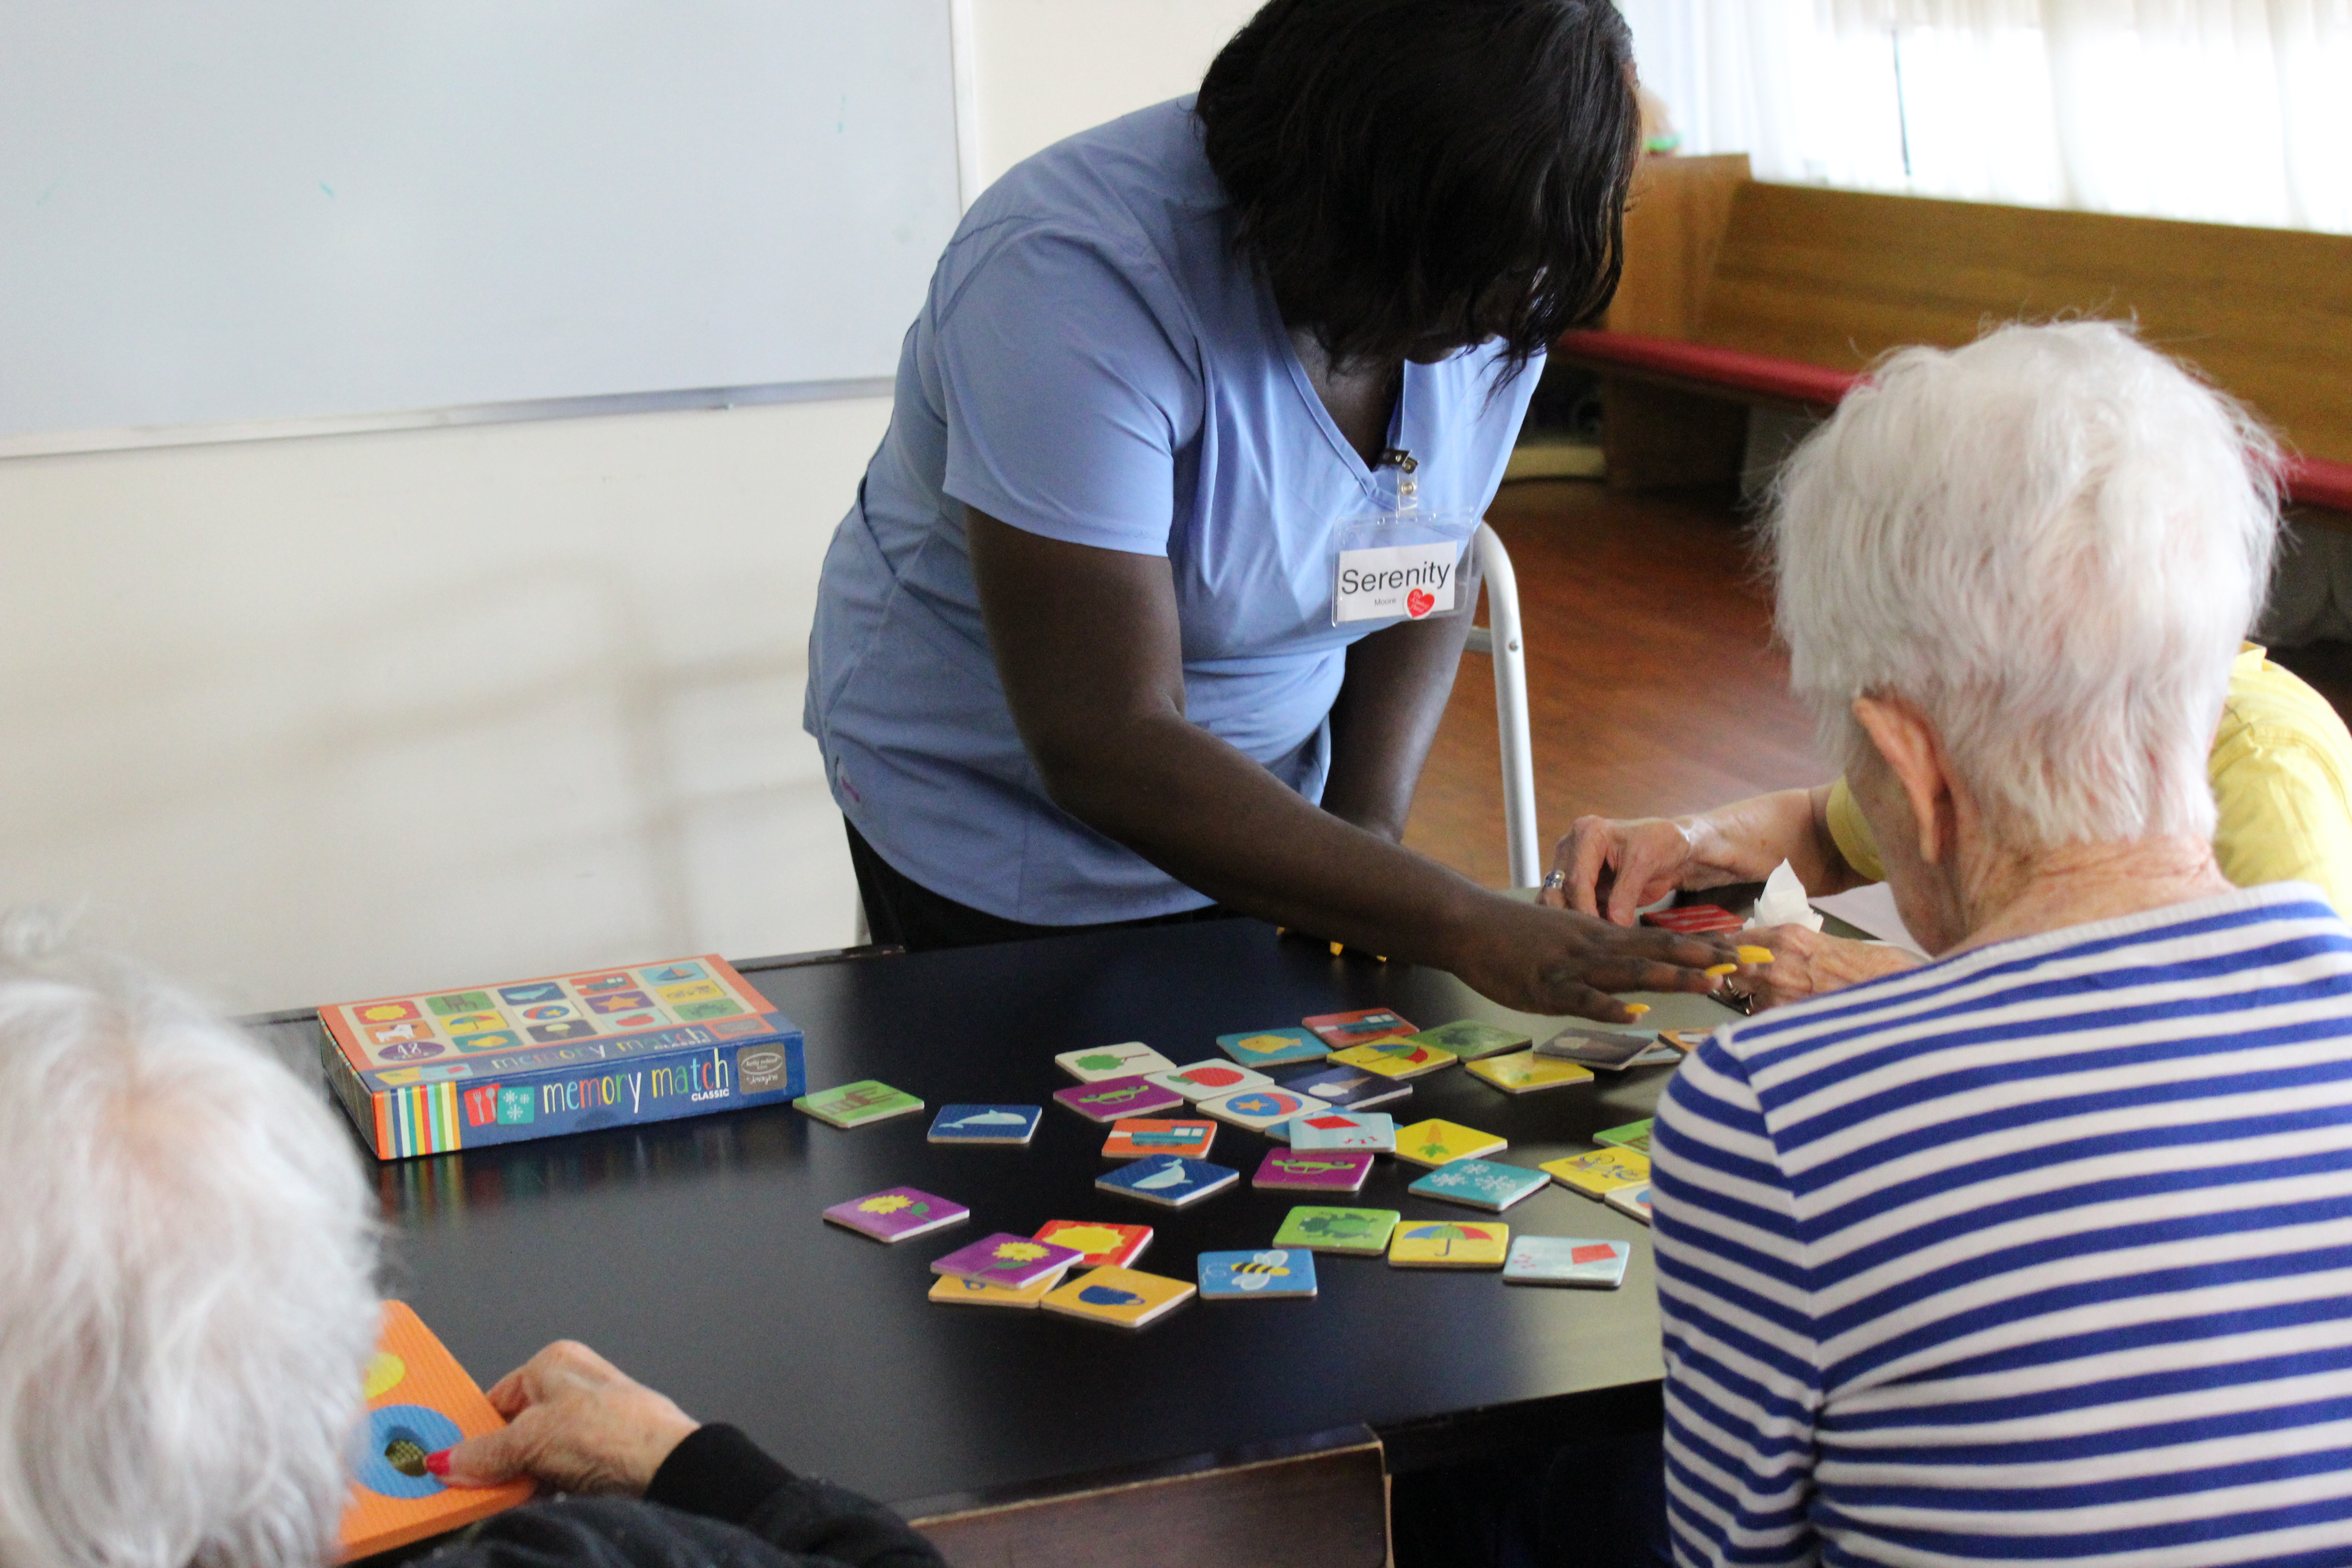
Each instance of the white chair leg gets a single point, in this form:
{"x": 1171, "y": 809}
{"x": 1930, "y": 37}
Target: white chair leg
{"x": 1507, "y": 645}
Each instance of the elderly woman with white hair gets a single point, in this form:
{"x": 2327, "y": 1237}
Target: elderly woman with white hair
{"x": 187, "y": 1306}
{"x": 2041, "y": 1251}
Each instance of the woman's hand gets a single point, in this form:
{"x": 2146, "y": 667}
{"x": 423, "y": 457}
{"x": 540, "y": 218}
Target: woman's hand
{"x": 1626, "y": 864}
{"x": 576, "y": 1422}
{"x": 1559, "y": 961}
{"x": 1806, "y": 963}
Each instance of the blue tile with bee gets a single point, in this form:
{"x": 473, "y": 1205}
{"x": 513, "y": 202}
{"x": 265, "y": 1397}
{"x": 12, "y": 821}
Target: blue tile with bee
{"x": 1269, "y": 1274}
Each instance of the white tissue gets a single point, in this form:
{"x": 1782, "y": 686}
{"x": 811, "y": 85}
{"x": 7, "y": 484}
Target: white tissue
{"x": 1783, "y": 902}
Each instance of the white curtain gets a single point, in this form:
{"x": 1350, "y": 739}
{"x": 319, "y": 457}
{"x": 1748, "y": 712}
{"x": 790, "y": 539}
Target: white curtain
{"x": 2225, "y": 110}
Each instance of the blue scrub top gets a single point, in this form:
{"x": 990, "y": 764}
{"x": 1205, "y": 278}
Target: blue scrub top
{"x": 1094, "y": 363}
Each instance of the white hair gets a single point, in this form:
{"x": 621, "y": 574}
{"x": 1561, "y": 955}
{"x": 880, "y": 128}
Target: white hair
{"x": 186, "y": 1307}
{"x": 2052, "y": 542}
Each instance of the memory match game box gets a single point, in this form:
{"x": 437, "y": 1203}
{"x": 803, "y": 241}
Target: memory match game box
{"x": 534, "y": 1058}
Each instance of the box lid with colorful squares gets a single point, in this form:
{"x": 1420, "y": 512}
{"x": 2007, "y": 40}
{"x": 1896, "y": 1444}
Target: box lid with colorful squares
{"x": 491, "y": 1063}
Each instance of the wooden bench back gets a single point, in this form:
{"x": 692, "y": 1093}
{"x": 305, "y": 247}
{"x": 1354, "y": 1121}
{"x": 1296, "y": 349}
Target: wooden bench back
{"x": 1836, "y": 278}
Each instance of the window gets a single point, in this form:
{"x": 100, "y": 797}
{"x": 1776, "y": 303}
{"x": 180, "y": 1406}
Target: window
{"x": 2223, "y": 110}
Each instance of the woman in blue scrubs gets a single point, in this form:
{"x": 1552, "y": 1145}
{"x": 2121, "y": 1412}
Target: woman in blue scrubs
{"x": 1151, "y": 598}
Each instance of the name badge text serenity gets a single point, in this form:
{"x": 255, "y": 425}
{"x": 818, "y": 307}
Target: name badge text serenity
{"x": 1408, "y": 580}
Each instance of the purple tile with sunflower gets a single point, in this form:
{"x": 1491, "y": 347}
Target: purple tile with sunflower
{"x": 894, "y": 1214}
{"x": 1012, "y": 1261}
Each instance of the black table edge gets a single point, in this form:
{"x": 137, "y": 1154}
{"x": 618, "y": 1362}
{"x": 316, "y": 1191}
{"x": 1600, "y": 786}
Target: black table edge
{"x": 949, "y": 1505}
{"x": 1430, "y": 1443}
{"x": 821, "y": 956}
{"x": 1524, "y": 1426}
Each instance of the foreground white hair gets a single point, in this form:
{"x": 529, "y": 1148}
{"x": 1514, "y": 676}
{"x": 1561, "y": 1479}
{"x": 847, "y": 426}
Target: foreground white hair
{"x": 185, "y": 1302}
{"x": 2050, "y": 541}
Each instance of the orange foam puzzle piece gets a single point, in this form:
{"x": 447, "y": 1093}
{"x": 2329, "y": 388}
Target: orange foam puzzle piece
{"x": 419, "y": 1401}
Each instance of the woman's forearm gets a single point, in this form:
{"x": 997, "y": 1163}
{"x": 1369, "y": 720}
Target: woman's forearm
{"x": 1210, "y": 818}
{"x": 1088, "y": 646}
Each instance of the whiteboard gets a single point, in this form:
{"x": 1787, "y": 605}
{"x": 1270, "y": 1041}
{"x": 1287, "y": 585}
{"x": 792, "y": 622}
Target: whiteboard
{"x": 224, "y": 213}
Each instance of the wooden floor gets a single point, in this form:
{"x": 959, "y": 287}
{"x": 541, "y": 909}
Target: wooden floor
{"x": 1653, "y": 683}
{"x": 1652, "y": 680}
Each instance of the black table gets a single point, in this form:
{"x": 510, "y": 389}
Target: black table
{"x": 692, "y": 1254}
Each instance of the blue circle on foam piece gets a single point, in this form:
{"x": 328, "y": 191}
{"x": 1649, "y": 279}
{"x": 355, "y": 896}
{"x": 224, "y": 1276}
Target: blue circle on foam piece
{"x": 429, "y": 1429}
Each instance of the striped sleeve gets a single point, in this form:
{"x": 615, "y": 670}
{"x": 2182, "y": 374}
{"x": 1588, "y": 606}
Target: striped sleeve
{"x": 1743, "y": 1384}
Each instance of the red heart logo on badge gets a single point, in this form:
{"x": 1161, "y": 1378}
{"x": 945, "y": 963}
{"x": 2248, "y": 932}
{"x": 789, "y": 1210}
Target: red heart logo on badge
{"x": 1418, "y": 603}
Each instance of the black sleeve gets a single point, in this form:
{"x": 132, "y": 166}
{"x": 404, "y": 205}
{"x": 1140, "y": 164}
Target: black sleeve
{"x": 717, "y": 1502}
{"x": 719, "y": 1473}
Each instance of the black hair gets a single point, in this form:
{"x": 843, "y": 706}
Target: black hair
{"x": 1411, "y": 170}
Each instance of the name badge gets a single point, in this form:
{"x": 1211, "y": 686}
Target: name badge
{"x": 1387, "y": 581}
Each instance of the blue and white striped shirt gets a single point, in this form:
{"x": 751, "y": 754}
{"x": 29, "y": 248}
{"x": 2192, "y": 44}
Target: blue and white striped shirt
{"x": 2041, "y": 1254}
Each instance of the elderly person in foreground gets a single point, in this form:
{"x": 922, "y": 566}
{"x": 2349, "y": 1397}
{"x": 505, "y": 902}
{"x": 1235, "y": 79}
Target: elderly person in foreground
{"x": 2041, "y": 1251}
{"x": 187, "y": 1306}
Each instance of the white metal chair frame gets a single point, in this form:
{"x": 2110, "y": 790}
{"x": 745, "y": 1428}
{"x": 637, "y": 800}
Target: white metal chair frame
{"x": 1500, "y": 640}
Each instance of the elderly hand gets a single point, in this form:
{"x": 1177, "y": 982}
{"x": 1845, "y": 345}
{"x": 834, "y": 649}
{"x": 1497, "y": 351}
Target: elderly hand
{"x": 1627, "y": 863}
{"x": 1806, "y": 963}
{"x": 576, "y": 1422}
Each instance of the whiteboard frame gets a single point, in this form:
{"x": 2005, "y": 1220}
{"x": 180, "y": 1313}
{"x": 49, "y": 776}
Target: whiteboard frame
{"x": 70, "y": 443}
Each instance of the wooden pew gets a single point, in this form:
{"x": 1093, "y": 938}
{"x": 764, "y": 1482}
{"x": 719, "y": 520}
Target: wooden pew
{"x": 1740, "y": 291}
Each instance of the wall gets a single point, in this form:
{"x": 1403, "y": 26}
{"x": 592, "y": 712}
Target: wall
{"x": 342, "y": 716}
{"x": 1047, "y": 69}
{"x": 322, "y": 717}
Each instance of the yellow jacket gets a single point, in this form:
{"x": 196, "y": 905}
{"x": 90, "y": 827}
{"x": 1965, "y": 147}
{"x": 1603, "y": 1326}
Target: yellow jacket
{"x": 2281, "y": 763}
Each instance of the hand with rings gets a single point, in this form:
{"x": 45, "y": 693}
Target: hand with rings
{"x": 1728, "y": 990}
{"x": 1805, "y": 962}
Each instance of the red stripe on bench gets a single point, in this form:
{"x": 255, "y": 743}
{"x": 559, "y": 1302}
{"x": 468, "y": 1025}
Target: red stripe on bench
{"x": 1763, "y": 376}
{"x": 2309, "y": 482}
{"x": 2313, "y": 482}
